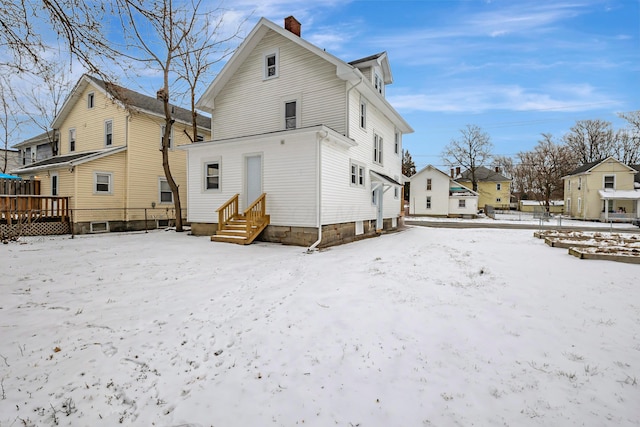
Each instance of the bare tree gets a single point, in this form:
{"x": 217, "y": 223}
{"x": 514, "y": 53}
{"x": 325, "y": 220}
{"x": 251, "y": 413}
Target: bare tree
{"x": 10, "y": 120}
{"x": 505, "y": 164}
{"x": 591, "y": 140}
{"x": 471, "y": 151}
{"x": 544, "y": 167}
{"x": 201, "y": 50}
{"x": 627, "y": 141}
{"x": 44, "y": 100}
{"x": 160, "y": 36}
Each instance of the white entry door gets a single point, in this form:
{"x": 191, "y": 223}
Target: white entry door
{"x": 253, "y": 178}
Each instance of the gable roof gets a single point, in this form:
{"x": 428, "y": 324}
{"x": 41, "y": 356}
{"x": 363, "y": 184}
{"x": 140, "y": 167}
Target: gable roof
{"x": 587, "y": 167}
{"x": 132, "y": 99}
{"x": 68, "y": 160}
{"x": 380, "y": 59}
{"x": 344, "y": 71}
{"x": 484, "y": 174}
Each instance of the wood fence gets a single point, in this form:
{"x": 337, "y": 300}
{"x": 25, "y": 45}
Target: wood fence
{"x": 23, "y": 187}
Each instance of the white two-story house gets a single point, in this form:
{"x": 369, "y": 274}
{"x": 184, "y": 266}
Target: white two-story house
{"x": 308, "y": 137}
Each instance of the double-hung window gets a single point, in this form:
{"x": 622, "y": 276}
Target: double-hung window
{"x": 357, "y": 175}
{"x": 498, "y": 186}
{"x": 396, "y": 143}
{"x": 270, "y": 62}
{"x": 54, "y": 184}
{"x": 72, "y": 140}
{"x": 428, "y": 202}
{"x": 90, "y": 100}
{"x": 166, "y": 196}
{"x": 290, "y": 114}
{"x": 610, "y": 182}
{"x": 378, "y": 83}
{"x": 363, "y": 114}
{"x": 108, "y": 133}
{"x": 429, "y": 182}
{"x": 102, "y": 182}
{"x": 212, "y": 176}
{"x": 377, "y": 148}
{"x": 162, "y": 130}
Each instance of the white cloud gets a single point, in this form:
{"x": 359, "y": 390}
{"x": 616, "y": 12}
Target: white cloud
{"x": 481, "y": 98}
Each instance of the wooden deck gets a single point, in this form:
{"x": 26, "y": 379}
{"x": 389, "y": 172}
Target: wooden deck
{"x": 28, "y": 209}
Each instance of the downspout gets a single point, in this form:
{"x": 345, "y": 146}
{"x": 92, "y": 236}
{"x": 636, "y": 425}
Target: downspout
{"x": 320, "y": 136}
{"x": 348, "y": 124}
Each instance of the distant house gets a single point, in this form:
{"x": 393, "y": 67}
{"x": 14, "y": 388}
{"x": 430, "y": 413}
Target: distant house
{"x": 603, "y": 190}
{"x": 434, "y": 193}
{"x": 555, "y": 206}
{"x": 12, "y": 159}
{"x": 494, "y": 189}
{"x": 109, "y": 161}
{"x": 303, "y": 143}
{"x": 37, "y": 148}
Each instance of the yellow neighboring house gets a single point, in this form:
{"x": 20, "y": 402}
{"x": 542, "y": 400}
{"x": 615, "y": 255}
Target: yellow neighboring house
{"x": 606, "y": 190}
{"x": 109, "y": 161}
{"x": 494, "y": 189}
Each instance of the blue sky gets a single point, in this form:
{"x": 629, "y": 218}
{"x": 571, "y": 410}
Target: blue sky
{"x": 514, "y": 68}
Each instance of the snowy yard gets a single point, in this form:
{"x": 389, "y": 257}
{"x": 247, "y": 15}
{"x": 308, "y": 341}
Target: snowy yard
{"x": 425, "y": 327}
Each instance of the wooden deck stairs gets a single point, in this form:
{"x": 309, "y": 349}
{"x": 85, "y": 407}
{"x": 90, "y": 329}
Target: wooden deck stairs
{"x": 241, "y": 228}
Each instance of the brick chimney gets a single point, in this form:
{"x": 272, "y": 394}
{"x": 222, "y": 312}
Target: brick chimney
{"x": 292, "y": 24}
{"x": 457, "y": 170}
{"x": 497, "y": 169}
{"x": 452, "y": 171}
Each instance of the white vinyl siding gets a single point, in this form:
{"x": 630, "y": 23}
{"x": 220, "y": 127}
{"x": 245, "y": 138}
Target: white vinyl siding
{"x": 283, "y": 164}
{"x": 248, "y": 95}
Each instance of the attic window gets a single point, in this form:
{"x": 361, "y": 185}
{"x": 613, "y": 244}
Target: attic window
{"x": 90, "y": 100}
{"x": 271, "y": 65}
{"x": 378, "y": 83}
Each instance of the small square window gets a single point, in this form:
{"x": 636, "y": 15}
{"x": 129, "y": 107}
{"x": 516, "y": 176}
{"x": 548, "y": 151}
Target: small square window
{"x": 462, "y": 203}
{"x": 212, "y": 176}
{"x": 102, "y": 183}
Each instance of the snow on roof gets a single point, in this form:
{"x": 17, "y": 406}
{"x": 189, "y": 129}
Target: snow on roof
{"x": 619, "y": 194}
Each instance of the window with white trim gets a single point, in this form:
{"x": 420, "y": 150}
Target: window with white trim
{"x": 377, "y": 148}
{"x": 290, "y": 115}
{"x": 378, "y": 83}
{"x": 357, "y": 174}
{"x": 429, "y": 184}
{"x": 90, "y": 100}
{"x": 396, "y": 142}
{"x": 72, "y": 139}
{"x": 363, "y": 113}
{"x": 610, "y": 182}
{"x": 428, "y": 202}
{"x": 102, "y": 182}
{"x": 462, "y": 203}
{"x": 270, "y": 62}
{"x": 212, "y": 175}
{"x": 164, "y": 190}
{"x": 162, "y": 129}
{"x": 108, "y": 132}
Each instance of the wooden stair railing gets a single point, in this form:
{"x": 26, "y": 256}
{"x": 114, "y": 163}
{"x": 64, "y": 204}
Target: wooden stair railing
{"x": 227, "y": 212}
{"x": 241, "y": 228}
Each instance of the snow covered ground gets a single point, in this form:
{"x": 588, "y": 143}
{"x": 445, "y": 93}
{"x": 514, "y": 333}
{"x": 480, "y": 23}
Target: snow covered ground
{"x": 425, "y": 327}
